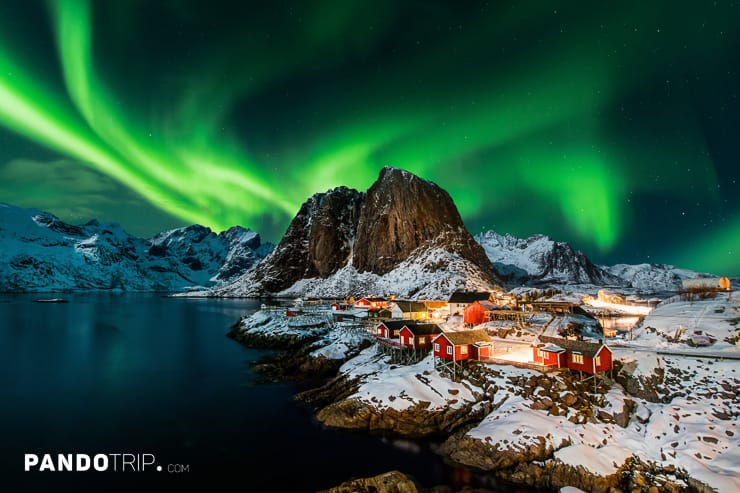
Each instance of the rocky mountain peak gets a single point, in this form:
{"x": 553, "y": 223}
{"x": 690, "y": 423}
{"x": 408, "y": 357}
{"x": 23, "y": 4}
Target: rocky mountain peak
{"x": 399, "y": 218}
{"x": 318, "y": 242}
{"x": 403, "y": 212}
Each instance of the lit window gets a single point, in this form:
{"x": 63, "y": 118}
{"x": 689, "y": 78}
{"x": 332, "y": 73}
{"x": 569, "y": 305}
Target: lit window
{"x": 463, "y": 349}
{"x": 598, "y": 361}
{"x": 449, "y": 349}
{"x": 422, "y": 340}
{"x": 436, "y": 347}
{"x": 578, "y": 359}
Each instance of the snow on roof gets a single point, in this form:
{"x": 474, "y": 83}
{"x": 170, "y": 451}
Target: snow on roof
{"x": 552, "y": 348}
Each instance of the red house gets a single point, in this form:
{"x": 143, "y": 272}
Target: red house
{"x": 586, "y": 357}
{"x": 462, "y": 345}
{"x": 372, "y": 303}
{"x": 477, "y": 312}
{"x": 418, "y": 336}
{"x": 391, "y": 329}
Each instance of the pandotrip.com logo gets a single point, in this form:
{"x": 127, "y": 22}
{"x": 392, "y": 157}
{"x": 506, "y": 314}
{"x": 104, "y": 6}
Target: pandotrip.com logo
{"x": 111, "y": 462}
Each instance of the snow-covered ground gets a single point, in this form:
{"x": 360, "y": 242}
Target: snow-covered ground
{"x": 697, "y": 432}
{"x": 672, "y": 325}
{"x": 695, "y": 428}
{"x": 403, "y": 386}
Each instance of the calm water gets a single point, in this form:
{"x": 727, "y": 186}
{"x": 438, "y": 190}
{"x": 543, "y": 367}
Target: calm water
{"x": 146, "y": 374}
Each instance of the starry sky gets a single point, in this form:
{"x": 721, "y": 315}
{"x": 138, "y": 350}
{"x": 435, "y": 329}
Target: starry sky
{"x": 611, "y": 125}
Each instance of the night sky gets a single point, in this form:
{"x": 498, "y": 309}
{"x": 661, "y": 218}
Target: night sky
{"x": 614, "y": 126}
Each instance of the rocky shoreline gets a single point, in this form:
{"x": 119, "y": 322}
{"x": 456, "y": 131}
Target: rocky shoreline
{"x": 342, "y": 400}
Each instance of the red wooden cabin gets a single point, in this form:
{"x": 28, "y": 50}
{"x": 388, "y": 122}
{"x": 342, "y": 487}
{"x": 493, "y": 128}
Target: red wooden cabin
{"x": 418, "y": 336}
{"x": 391, "y": 329}
{"x": 477, "y": 312}
{"x": 459, "y": 346}
{"x": 586, "y": 357}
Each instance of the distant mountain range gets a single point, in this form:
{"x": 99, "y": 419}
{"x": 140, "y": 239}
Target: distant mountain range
{"x": 39, "y": 252}
{"x": 541, "y": 261}
{"x": 403, "y": 236}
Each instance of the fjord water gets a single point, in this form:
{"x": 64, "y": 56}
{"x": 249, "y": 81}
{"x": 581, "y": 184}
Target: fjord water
{"x": 140, "y": 373}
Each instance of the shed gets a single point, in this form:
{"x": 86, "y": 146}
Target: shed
{"x": 549, "y": 355}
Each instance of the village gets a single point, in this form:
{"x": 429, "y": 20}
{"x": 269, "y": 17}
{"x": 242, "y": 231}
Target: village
{"x": 578, "y": 380}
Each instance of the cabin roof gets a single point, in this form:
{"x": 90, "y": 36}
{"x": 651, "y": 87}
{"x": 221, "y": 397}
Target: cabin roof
{"x": 467, "y": 337}
{"x": 423, "y": 329}
{"x": 396, "y": 324}
{"x": 486, "y": 304}
{"x": 589, "y": 349}
{"x": 411, "y": 306}
{"x": 468, "y": 297}
{"x": 552, "y": 348}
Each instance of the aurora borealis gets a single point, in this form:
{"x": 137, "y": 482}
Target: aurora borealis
{"x": 612, "y": 127}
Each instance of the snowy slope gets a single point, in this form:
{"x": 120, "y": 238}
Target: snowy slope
{"x": 39, "y": 252}
{"x": 428, "y": 274}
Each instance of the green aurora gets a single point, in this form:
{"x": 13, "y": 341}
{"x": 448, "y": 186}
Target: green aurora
{"x": 610, "y": 127}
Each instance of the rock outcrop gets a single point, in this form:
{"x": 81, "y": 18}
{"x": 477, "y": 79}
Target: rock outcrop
{"x": 389, "y": 482}
{"x": 318, "y": 242}
{"x": 402, "y": 213}
{"x": 415, "y": 422}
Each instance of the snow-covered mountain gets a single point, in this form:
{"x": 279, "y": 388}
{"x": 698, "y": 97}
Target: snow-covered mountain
{"x": 653, "y": 277}
{"x": 539, "y": 260}
{"x": 403, "y": 236}
{"x": 39, "y": 252}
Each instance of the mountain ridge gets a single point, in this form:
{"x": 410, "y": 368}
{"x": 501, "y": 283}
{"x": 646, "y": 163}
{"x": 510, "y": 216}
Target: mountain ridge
{"x": 41, "y": 253}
